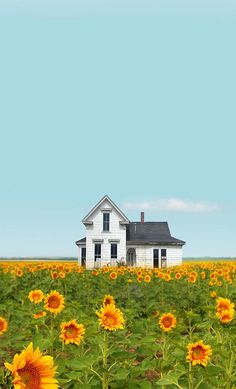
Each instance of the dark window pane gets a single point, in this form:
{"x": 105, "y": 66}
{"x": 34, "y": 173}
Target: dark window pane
{"x": 83, "y": 256}
{"x": 97, "y": 251}
{"x": 156, "y": 254}
{"x": 156, "y": 258}
{"x": 83, "y": 253}
{"x": 113, "y": 250}
{"x": 163, "y": 253}
{"x": 106, "y": 221}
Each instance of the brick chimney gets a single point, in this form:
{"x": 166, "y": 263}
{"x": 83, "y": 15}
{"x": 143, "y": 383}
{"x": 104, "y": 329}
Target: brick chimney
{"x": 142, "y": 217}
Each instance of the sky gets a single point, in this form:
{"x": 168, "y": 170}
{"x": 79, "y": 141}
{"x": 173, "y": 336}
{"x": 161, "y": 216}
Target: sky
{"x": 133, "y": 99}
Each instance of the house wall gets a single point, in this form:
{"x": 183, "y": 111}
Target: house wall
{"x": 80, "y": 253}
{"x": 95, "y": 232}
{"x": 144, "y": 255}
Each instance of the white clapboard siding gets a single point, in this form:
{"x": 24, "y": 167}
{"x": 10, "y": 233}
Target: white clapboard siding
{"x": 174, "y": 256}
{"x": 144, "y": 255}
{"x": 94, "y": 232}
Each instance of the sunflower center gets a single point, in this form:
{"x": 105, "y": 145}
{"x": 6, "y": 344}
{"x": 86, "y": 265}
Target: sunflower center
{"x": 198, "y": 353}
{"x": 167, "y": 321}
{"x": 71, "y": 332}
{"x": 30, "y": 377}
{"x": 110, "y": 320}
{"x": 53, "y": 302}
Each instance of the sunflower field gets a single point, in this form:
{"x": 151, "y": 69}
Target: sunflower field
{"x": 62, "y": 326}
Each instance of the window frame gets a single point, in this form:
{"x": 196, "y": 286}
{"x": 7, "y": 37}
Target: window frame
{"x": 106, "y": 223}
{"x": 97, "y": 255}
{"x": 114, "y": 256}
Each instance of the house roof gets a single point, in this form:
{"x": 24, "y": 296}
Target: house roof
{"x": 80, "y": 241}
{"x": 87, "y": 217}
{"x": 147, "y": 233}
{"x": 150, "y": 233}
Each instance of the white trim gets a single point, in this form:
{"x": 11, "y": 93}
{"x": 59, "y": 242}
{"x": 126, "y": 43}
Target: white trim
{"x": 85, "y": 219}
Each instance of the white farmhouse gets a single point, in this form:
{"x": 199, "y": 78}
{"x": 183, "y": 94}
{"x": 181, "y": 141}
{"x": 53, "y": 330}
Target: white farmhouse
{"x": 112, "y": 239}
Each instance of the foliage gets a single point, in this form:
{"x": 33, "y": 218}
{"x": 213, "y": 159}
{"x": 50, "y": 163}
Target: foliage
{"x": 140, "y": 355}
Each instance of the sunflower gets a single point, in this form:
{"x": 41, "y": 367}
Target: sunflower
{"x": 224, "y": 304}
{"x": 167, "y": 277}
{"x": 203, "y": 275}
{"x": 108, "y": 300}
{"x": 139, "y": 279}
{"x": 19, "y": 272}
{"x": 225, "y": 316}
{"x": 54, "y": 275}
{"x": 167, "y": 322}
{"x": 147, "y": 278}
{"x": 72, "y": 332}
{"x": 213, "y": 294}
{"x": 199, "y": 353}
{"x": 110, "y": 318}
{"x": 192, "y": 278}
{"x": 113, "y": 275}
{"x": 3, "y": 325}
{"x": 32, "y": 370}
{"x": 54, "y": 302}
{"x": 38, "y": 315}
{"x": 36, "y": 296}
{"x": 178, "y": 276}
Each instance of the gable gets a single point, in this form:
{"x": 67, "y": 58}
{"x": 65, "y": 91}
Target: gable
{"x": 105, "y": 204}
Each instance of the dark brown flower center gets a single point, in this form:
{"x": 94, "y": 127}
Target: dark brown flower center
{"x": 71, "y": 332}
{"x": 198, "y": 353}
{"x": 30, "y": 377}
{"x": 53, "y": 302}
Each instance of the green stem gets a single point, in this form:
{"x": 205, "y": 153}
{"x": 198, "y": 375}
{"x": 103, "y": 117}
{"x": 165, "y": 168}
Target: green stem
{"x": 190, "y": 377}
{"x": 105, "y": 353}
{"x": 230, "y": 370}
{"x": 164, "y": 353}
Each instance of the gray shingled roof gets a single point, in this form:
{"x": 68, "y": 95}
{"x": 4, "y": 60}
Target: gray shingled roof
{"x": 150, "y": 233}
{"x": 80, "y": 241}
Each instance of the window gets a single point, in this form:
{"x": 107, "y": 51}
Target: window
{"x": 114, "y": 250}
{"x": 163, "y": 258}
{"x": 83, "y": 256}
{"x": 97, "y": 251}
{"x": 163, "y": 253}
{"x": 106, "y": 221}
{"x": 155, "y": 258}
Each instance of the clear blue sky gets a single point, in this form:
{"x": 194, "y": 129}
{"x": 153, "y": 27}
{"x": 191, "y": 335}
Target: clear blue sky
{"x": 134, "y": 99}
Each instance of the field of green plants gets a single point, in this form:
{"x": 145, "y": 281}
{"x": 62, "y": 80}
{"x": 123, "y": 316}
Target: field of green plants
{"x": 64, "y": 327}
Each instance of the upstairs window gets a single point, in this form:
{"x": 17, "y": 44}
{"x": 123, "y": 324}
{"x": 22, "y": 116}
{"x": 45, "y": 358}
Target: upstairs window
{"x": 106, "y": 221}
{"x": 114, "y": 251}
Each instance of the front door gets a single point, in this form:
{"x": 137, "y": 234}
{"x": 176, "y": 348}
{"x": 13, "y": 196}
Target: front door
{"x": 131, "y": 257}
{"x": 156, "y": 258}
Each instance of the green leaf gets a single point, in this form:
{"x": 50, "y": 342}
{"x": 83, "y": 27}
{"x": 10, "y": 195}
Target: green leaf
{"x": 1, "y": 376}
{"x": 148, "y": 339}
{"x": 121, "y": 374}
{"x": 145, "y": 385}
{"x": 170, "y": 379}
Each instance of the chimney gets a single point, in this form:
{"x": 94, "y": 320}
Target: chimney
{"x": 142, "y": 217}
